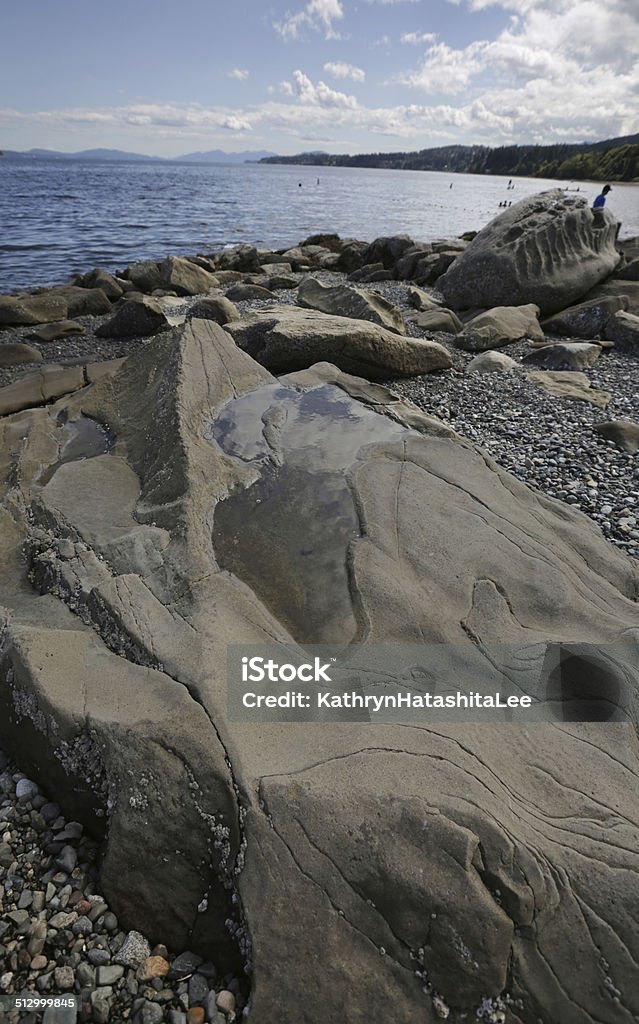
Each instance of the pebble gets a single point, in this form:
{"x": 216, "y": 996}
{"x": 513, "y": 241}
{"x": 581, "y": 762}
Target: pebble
{"x": 134, "y": 950}
{"x": 153, "y": 967}
{"x": 225, "y": 1002}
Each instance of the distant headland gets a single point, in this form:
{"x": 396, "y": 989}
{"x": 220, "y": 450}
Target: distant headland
{"x": 609, "y": 160}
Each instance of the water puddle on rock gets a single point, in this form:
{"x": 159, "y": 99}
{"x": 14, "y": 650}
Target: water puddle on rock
{"x": 288, "y": 535}
{"x": 86, "y": 439}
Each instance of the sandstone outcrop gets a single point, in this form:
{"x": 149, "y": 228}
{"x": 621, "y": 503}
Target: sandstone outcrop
{"x": 549, "y": 249}
{"x": 446, "y": 865}
{"x": 284, "y": 338}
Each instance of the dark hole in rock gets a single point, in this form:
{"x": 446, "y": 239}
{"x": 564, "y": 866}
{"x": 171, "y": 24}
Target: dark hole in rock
{"x": 86, "y": 439}
{"x": 289, "y": 534}
{"x": 584, "y": 689}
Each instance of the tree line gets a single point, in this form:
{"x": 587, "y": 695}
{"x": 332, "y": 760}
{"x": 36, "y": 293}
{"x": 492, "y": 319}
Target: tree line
{"x": 612, "y": 160}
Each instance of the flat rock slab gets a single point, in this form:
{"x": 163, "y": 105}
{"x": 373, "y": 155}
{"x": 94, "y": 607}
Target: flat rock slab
{"x": 549, "y": 249}
{"x": 61, "y": 329}
{"x": 239, "y": 509}
{"x": 348, "y": 301}
{"x": 284, "y": 338}
{"x": 569, "y": 384}
{"x": 39, "y": 387}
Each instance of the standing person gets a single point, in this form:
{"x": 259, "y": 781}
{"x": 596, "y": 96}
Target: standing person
{"x": 600, "y": 201}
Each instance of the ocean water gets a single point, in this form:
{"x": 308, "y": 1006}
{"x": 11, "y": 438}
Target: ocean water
{"x": 62, "y": 217}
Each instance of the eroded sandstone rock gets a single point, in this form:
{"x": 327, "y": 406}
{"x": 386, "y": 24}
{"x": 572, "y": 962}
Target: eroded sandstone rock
{"x": 434, "y": 859}
{"x": 284, "y": 338}
{"x": 549, "y": 249}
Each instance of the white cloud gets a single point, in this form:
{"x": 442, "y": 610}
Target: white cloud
{"x": 339, "y": 69}
{"x": 415, "y": 38}
{"x": 241, "y": 74}
{"x": 321, "y": 95}
{"x": 445, "y": 71}
{"x": 318, "y": 15}
{"x": 236, "y": 124}
{"x": 286, "y": 89}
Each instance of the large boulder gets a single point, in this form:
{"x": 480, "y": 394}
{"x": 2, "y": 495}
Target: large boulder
{"x": 30, "y": 310}
{"x": 83, "y": 301}
{"x": 623, "y": 329}
{"x": 284, "y": 338}
{"x": 344, "y": 300}
{"x": 500, "y": 326}
{"x": 549, "y": 249}
{"x": 451, "y": 866}
{"x": 186, "y": 278}
{"x": 134, "y": 319}
{"x": 577, "y": 355}
{"x": 13, "y": 353}
{"x": 587, "y": 319}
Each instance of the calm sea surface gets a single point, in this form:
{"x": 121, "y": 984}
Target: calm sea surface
{"x": 60, "y": 217}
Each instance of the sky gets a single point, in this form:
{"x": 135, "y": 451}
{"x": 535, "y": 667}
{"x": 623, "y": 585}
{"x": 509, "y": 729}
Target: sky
{"x": 343, "y": 76}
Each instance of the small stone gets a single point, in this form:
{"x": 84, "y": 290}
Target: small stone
{"x": 39, "y": 962}
{"x": 184, "y": 965}
{"x": 26, "y": 790}
{"x": 108, "y": 975}
{"x": 64, "y": 978}
{"x": 160, "y": 950}
{"x": 98, "y": 957}
{"x": 37, "y": 938}
{"x": 82, "y": 926}
{"x": 225, "y": 1002}
{"x": 101, "y": 1005}
{"x": 84, "y": 975}
{"x": 177, "y": 1017}
{"x": 134, "y": 950}
{"x": 110, "y": 922}
{"x": 195, "y": 1015}
{"x": 67, "y": 859}
{"x": 153, "y": 967}
{"x": 150, "y": 1013}
{"x": 198, "y": 989}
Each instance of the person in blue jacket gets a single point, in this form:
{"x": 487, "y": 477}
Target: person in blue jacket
{"x": 600, "y": 201}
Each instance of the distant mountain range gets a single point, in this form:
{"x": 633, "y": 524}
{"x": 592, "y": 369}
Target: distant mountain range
{"x": 212, "y": 156}
{"x": 609, "y": 160}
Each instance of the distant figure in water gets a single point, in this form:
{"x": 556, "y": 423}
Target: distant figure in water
{"x": 451, "y": 184}
{"x": 299, "y": 184}
{"x": 318, "y": 181}
{"x": 600, "y": 201}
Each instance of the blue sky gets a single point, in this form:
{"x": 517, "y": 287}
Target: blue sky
{"x": 338, "y": 75}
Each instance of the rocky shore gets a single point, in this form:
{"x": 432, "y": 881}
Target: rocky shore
{"x": 135, "y": 408}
